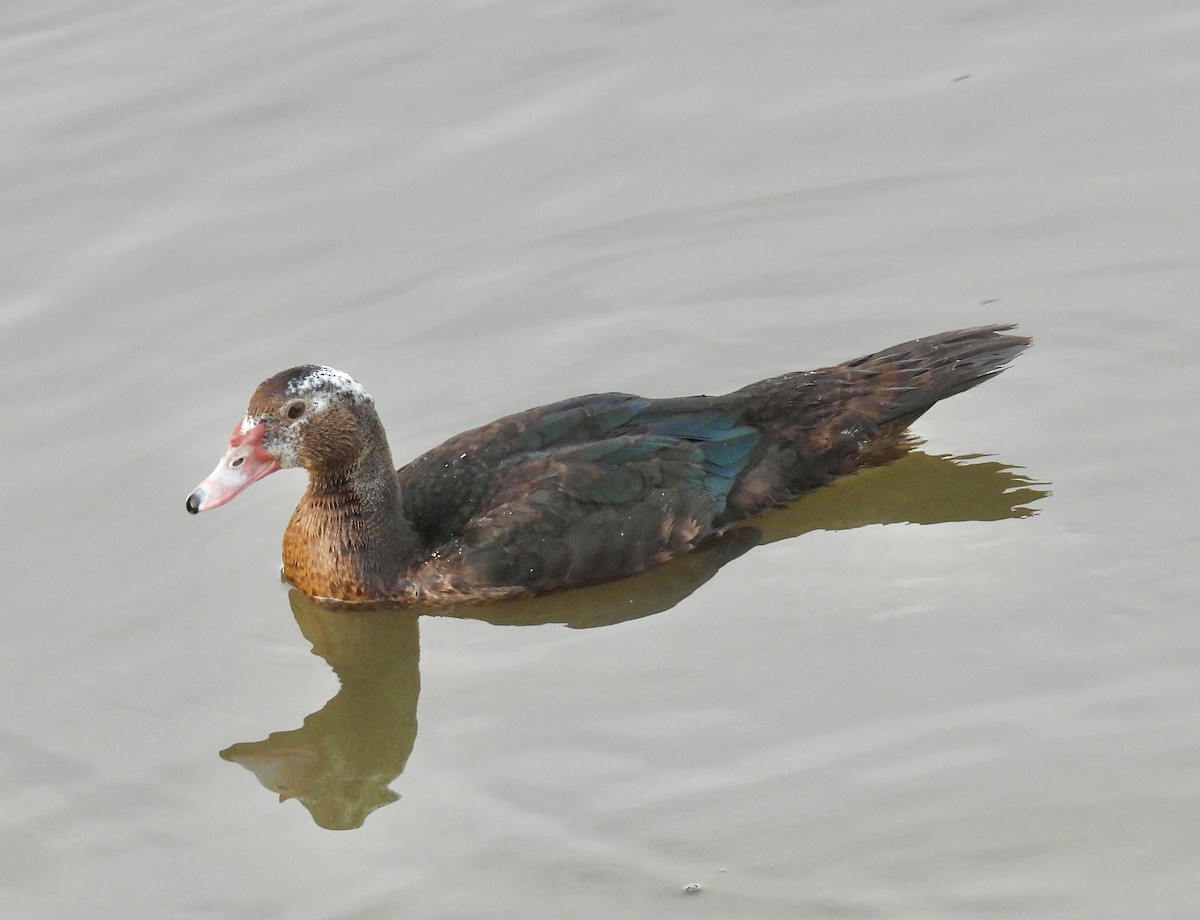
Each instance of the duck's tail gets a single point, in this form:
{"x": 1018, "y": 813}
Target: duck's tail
{"x": 917, "y": 374}
{"x": 818, "y": 425}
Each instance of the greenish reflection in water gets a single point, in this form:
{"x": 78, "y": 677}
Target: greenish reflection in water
{"x": 340, "y": 762}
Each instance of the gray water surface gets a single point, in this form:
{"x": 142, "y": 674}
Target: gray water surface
{"x": 963, "y": 686}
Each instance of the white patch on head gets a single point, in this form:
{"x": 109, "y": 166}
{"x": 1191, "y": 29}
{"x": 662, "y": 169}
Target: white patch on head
{"x": 247, "y": 424}
{"x": 285, "y": 451}
{"x": 322, "y": 384}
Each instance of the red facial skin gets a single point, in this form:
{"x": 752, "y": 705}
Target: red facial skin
{"x": 246, "y": 462}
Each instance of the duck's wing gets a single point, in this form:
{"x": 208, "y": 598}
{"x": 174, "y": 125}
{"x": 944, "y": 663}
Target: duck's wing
{"x": 445, "y": 487}
{"x": 593, "y": 511}
{"x": 803, "y": 429}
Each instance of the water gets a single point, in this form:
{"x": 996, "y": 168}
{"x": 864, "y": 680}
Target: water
{"x": 915, "y": 699}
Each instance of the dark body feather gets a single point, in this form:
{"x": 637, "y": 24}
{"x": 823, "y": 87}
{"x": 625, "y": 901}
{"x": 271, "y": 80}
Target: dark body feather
{"x": 590, "y": 488}
{"x": 601, "y": 486}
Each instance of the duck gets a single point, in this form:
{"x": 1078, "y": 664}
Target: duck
{"x": 584, "y": 490}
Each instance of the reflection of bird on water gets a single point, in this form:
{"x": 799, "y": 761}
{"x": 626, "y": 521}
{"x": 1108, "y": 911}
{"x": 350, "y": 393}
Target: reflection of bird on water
{"x": 581, "y": 491}
{"x": 340, "y": 763}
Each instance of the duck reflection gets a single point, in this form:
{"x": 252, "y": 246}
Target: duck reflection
{"x": 340, "y": 762}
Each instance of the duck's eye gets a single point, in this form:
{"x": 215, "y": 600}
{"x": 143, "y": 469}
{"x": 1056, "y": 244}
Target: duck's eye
{"x": 294, "y": 409}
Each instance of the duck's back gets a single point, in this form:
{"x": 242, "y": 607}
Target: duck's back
{"x": 600, "y": 486}
{"x": 585, "y": 489}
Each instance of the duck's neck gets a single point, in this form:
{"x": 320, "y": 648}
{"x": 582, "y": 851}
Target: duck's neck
{"x": 348, "y": 538}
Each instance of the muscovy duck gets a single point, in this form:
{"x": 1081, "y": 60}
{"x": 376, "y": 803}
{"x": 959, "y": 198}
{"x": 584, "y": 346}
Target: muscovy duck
{"x": 587, "y": 489}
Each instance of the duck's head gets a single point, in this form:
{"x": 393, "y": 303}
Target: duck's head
{"x": 308, "y": 416}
